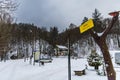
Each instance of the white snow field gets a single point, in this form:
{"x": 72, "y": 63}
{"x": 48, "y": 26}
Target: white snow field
{"x": 57, "y": 70}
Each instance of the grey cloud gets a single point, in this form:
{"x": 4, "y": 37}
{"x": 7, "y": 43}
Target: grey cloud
{"x": 61, "y": 12}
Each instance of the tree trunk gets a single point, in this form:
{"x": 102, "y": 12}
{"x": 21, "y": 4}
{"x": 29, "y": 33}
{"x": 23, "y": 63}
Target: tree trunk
{"x": 118, "y": 41}
{"x": 111, "y": 74}
{"x": 96, "y": 67}
{"x": 100, "y": 40}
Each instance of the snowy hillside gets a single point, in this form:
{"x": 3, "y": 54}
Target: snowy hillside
{"x": 57, "y": 70}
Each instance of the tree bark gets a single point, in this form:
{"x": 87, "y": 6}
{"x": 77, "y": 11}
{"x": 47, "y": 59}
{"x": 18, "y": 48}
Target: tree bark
{"x": 101, "y": 41}
{"x": 111, "y": 74}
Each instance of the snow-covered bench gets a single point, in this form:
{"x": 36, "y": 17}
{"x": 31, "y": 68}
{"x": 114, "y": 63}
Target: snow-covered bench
{"x": 45, "y": 60}
{"x": 80, "y": 73}
{"x": 42, "y": 61}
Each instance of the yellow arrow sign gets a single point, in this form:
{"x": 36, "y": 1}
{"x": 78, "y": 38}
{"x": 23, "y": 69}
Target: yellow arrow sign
{"x": 86, "y": 26}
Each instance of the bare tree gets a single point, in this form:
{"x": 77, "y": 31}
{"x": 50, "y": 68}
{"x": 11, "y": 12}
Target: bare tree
{"x": 5, "y": 33}
{"x": 101, "y": 41}
{"x": 6, "y": 9}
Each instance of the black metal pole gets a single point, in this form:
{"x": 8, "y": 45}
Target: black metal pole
{"x": 69, "y": 61}
{"x": 34, "y": 58}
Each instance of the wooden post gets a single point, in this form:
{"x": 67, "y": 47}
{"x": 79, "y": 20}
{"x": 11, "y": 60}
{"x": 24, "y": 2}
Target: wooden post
{"x": 101, "y": 41}
{"x": 108, "y": 63}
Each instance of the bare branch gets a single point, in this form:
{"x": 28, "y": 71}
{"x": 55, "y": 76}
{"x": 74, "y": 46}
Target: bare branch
{"x": 114, "y": 19}
{"x": 94, "y": 35}
{"x": 6, "y": 9}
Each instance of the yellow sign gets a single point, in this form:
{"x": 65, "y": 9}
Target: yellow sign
{"x": 87, "y": 25}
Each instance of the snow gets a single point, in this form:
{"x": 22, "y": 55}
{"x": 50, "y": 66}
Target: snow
{"x": 56, "y": 70}
{"x": 61, "y": 47}
{"x": 100, "y": 34}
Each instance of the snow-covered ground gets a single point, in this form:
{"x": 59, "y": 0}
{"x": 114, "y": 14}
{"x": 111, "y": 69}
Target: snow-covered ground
{"x": 57, "y": 70}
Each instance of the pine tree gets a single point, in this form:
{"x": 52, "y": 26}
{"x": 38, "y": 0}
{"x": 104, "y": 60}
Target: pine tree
{"x": 97, "y": 19}
{"x": 53, "y": 36}
{"x": 94, "y": 59}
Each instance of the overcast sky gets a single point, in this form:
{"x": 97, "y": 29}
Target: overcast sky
{"x": 61, "y": 13}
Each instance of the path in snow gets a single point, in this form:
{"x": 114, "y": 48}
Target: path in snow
{"x": 57, "y": 70}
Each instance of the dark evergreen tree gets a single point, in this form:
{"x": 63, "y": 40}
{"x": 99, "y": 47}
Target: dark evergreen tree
{"x": 53, "y": 36}
{"x": 84, "y": 20}
{"x": 94, "y": 59}
{"x": 97, "y": 19}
